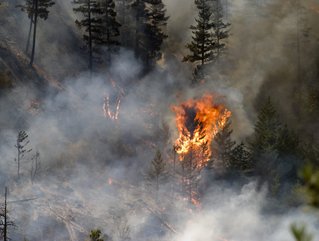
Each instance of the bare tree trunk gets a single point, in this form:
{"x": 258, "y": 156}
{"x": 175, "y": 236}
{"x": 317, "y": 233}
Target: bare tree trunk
{"x": 5, "y": 225}
{"x": 90, "y": 39}
{"x": 34, "y": 30}
{"x": 30, "y": 29}
{"x": 137, "y": 30}
{"x": 18, "y": 158}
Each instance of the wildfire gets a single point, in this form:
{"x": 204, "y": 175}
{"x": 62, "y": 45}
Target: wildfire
{"x": 198, "y": 121}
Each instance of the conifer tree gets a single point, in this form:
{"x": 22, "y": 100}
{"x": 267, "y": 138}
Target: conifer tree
{"x": 240, "y": 158}
{"x": 157, "y": 171}
{"x": 154, "y": 30}
{"x": 220, "y": 27}
{"x": 35, "y": 9}
{"x": 267, "y": 130}
{"x": 96, "y": 235}
{"x": 28, "y": 7}
{"x": 202, "y": 45}
{"x": 88, "y": 22}
{"x": 223, "y": 145}
{"x": 109, "y": 29}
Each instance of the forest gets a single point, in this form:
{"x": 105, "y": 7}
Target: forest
{"x": 159, "y": 120}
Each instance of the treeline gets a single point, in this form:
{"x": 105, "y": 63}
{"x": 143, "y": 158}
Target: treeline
{"x": 274, "y": 156}
{"x": 137, "y": 25}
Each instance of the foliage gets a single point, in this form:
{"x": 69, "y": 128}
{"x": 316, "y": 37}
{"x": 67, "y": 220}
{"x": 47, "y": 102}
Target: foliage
{"x": 310, "y": 177}
{"x": 240, "y": 158}
{"x": 223, "y": 146}
{"x": 157, "y": 171}
{"x": 267, "y": 130}
{"x": 300, "y": 233}
{"x": 96, "y": 235}
{"x": 202, "y": 44}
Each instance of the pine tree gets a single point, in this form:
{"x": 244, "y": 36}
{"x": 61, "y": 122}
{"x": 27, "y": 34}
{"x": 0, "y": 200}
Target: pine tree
{"x": 221, "y": 29}
{"x": 96, "y": 235}
{"x": 88, "y": 22}
{"x": 29, "y": 9}
{"x": 267, "y": 130}
{"x": 240, "y": 158}
{"x": 222, "y": 146}
{"x": 100, "y": 26}
{"x": 288, "y": 143}
{"x": 141, "y": 19}
{"x": 36, "y": 9}
{"x": 108, "y": 35}
{"x": 157, "y": 171}
{"x": 202, "y": 44}
{"x": 154, "y": 30}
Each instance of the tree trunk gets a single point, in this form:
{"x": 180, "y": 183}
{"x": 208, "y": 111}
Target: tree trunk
{"x": 34, "y": 30}
{"x": 90, "y": 39}
{"x": 137, "y": 30}
{"x": 5, "y": 224}
{"x": 30, "y": 28}
{"x": 18, "y": 158}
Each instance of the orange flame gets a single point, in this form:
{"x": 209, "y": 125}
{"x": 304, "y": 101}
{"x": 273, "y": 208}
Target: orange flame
{"x": 198, "y": 121}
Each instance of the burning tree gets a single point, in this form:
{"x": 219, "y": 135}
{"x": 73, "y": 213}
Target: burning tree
{"x": 198, "y": 122}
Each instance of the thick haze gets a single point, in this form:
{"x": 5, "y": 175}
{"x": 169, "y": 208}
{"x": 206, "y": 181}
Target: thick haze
{"x": 81, "y": 150}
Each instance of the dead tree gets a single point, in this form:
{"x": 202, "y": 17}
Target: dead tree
{"x": 35, "y": 166}
{"x": 22, "y": 149}
{"x": 5, "y": 222}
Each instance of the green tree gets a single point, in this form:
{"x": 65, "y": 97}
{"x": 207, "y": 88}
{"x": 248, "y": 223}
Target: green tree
{"x": 240, "y": 158}
{"x": 89, "y": 23}
{"x": 35, "y": 9}
{"x": 267, "y": 130}
{"x": 96, "y": 235}
{"x": 221, "y": 28}
{"x": 154, "y": 30}
{"x": 203, "y": 44}
{"x": 288, "y": 143}
{"x": 223, "y": 145}
{"x": 310, "y": 178}
{"x": 300, "y": 233}
{"x": 108, "y": 32}
{"x": 157, "y": 171}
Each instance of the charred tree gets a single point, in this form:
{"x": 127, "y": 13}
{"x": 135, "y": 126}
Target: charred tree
{"x": 22, "y": 143}
{"x": 5, "y": 222}
{"x": 35, "y": 166}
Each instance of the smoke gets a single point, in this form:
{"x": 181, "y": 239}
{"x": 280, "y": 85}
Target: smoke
{"x": 80, "y": 149}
